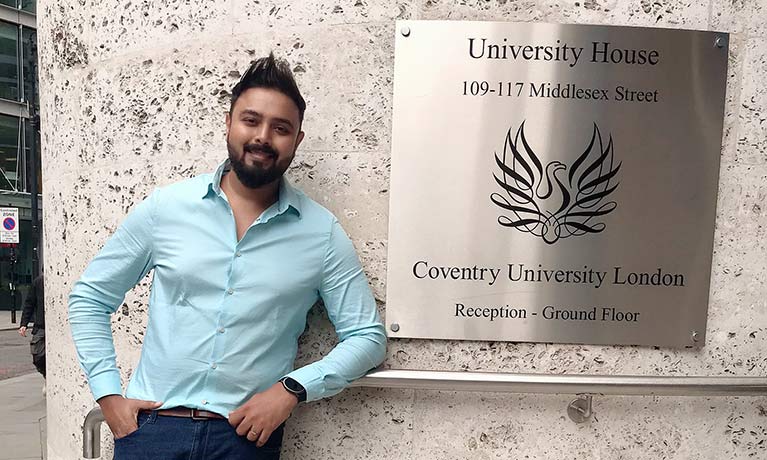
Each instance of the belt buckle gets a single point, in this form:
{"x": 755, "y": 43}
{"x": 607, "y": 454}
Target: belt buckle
{"x": 193, "y": 413}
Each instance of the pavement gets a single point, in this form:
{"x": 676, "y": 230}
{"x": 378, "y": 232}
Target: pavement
{"x": 15, "y": 357}
{"x": 22, "y": 404}
{"x": 22, "y": 418}
{"x": 5, "y": 320}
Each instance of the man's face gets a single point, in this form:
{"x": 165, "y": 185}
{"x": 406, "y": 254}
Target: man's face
{"x": 262, "y": 135}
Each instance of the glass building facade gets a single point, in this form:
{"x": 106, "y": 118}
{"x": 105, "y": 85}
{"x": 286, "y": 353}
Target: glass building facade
{"x": 18, "y": 141}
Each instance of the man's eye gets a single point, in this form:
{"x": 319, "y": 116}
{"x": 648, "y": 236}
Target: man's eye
{"x": 282, "y": 130}
{"x": 250, "y": 121}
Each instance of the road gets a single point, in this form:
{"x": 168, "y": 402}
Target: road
{"x": 15, "y": 358}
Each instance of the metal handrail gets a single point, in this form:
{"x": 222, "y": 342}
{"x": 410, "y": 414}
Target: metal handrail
{"x": 579, "y": 410}
{"x": 92, "y": 433}
{"x": 625, "y": 385}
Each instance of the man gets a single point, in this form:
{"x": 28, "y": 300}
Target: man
{"x": 34, "y": 312}
{"x": 239, "y": 256}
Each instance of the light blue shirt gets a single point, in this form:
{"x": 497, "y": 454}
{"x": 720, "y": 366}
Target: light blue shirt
{"x": 225, "y": 316}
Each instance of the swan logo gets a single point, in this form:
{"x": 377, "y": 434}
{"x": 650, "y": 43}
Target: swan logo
{"x": 558, "y": 201}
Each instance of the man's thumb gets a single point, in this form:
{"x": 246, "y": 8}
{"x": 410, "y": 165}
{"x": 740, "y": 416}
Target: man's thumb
{"x": 141, "y": 404}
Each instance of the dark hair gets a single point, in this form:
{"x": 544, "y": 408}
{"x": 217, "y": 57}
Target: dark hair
{"x": 268, "y": 72}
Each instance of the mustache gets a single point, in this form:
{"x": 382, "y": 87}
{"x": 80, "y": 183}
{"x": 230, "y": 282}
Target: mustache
{"x": 259, "y": 148}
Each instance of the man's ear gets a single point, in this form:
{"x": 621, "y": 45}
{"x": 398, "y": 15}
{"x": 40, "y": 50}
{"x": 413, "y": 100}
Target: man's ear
{"x": 299, "y": 139}
{"x": 228, "y": 123}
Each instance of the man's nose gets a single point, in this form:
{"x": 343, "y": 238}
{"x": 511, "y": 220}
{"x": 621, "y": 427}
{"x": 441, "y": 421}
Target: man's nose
{"x": 263, "y": 134}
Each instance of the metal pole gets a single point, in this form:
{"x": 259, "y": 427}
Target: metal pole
{"x": 625, "y": 385}
{"x": 34, "y": 122}
{"x": 579, "y": 410}
{"x": 13, "y": 284}
{"x": 92, "y": 434}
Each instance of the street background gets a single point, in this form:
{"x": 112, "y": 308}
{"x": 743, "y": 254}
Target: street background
{"x": 22, "y": 404}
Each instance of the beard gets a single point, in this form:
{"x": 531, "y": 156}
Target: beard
{"x": 254, "y": 175}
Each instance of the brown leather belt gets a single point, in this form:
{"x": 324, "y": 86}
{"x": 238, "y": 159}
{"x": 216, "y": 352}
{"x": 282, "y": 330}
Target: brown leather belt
{"x": 194, "y": 414}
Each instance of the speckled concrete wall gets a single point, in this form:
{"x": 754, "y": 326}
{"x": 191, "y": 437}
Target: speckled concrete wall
{"x": 134, "y": 95}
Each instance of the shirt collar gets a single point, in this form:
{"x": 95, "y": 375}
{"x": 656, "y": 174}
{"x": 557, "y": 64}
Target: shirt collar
{"x": 289, "y": 197}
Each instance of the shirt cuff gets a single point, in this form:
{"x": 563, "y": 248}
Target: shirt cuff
{"x": 105, "y": 384}
{"x": 311, "y": 380}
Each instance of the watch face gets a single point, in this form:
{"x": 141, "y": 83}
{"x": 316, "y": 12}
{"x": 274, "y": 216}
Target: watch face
{"x": 293, "y": 386}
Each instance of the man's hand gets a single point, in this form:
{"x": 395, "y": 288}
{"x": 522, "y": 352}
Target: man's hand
{"x": 121, "y": 414}
{"x": 23, "y": 331}
{"x": 263, "y": 413}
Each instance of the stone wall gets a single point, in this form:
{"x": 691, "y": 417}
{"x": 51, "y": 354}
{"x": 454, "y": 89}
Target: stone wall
{"x": 134, "y": 95}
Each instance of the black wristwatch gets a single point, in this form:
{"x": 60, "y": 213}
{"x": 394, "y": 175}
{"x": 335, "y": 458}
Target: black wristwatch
{"x": 295, "y": 388}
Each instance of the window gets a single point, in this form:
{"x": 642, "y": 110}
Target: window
{"x": 9, "y": 62}
{"x": 30, "y": 6}
{"x": 10, "y": 174}
{"x": 10, "y": 85}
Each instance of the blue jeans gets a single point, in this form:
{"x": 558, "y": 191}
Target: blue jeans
{"x": 177, "y": 438}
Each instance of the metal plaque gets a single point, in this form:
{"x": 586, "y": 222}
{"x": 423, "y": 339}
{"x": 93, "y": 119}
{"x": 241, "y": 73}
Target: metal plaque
{"x": 553, "y": 183}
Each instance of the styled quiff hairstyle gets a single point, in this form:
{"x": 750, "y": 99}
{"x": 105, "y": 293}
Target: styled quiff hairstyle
{"x": 271, "y": 73}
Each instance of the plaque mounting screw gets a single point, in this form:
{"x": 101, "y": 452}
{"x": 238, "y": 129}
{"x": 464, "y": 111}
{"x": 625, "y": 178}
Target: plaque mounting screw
{"x": 719, "y": 42}
{"x": 695, "y": 336}
{"x": 405, "y": 31}
{"x": 394, "y": 327}
{"x": 579, "y": 409}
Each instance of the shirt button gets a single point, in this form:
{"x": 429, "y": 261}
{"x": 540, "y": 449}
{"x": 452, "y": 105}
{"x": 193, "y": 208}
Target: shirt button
{"x": 238, "y": 254}
{"x": 221, "y": 330}
{"x": 213, "y": 365}
{"x": 230, "y": 291}
{"x": 204, "y": 401}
